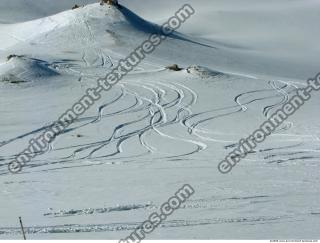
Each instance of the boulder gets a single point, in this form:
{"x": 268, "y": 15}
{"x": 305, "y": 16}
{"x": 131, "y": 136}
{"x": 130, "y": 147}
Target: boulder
{"x": 174, "y": 67}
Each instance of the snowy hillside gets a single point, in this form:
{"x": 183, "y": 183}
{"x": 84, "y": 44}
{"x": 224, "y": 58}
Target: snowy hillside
{"x": 159, "y": 129}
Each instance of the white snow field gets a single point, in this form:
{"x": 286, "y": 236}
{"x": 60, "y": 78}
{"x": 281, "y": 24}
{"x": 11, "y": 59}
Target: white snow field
{"x": 159, "y": 129}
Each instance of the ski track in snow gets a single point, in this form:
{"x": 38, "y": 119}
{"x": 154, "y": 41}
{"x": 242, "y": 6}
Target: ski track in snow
{"x": 152, "y": 102}
{"x": 154, "y": 107}
{"x": 60, "y": 229}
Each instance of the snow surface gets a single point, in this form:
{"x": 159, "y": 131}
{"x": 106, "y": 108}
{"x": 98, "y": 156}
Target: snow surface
{"x": 159, "y": 129}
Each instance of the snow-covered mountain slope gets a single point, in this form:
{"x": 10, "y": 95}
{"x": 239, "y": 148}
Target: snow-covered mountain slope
{"x": 159, "y": 129}
{"x": 263, "y": 37}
